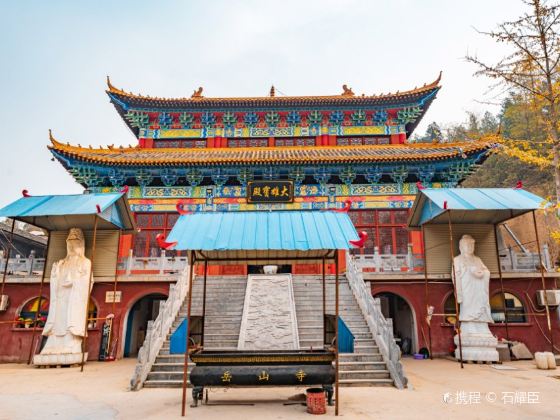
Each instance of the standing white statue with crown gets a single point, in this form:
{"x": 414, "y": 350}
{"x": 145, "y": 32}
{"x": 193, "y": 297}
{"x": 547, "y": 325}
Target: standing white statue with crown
{"x": 66, "y": 322}
{"x": 472, "y": 280}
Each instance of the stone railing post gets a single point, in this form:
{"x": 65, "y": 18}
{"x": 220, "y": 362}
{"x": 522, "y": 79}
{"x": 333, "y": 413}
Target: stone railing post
{"x": 162, "y": 262}
{"x": 29, "y": 263}
{"x": 377, "y": 259}
{"x": 129, "y": 262}
{"x": 513, "y": 257}
{"x": 546, "y": 257}
{"x": 409, "y": 258}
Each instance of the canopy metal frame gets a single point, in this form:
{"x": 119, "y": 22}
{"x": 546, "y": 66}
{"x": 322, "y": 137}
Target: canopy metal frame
{"x": 495, "y": 216}
{"x": 55, "y": 220}
{"x": 329, "y": 255}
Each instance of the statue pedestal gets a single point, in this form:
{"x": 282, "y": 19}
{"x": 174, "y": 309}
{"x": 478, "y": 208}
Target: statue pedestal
{"x": 58, "y": 359}
{"x": 479, "y": 345}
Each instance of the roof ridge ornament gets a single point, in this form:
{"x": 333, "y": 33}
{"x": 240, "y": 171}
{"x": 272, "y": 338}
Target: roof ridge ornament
{"x": 272, "y": 91}
{"x": 346, "y": 91}
{"x": 197, "y": 93}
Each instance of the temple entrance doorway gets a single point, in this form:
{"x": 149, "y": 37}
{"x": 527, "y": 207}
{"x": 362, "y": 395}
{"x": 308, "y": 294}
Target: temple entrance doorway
{"x": 144, "y": 310}
{"x": 404, "y": 326}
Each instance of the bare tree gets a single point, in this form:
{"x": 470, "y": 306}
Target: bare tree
{"x": 532, "y": 69}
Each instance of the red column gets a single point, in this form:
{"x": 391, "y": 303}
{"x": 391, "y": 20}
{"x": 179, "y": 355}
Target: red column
{"x": 271, "y": 142}
{"x": 125, "y": 245}
{"x": 210, "y": 142}
{"x": 318, "y": 141}
{"x": 402, "y": 138}
{"x": 146, "y": 143}
{"x": 394, "y": 139}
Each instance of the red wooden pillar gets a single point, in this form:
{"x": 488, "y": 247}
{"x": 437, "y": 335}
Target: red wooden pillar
{"x": 394, "y": 138}
{"x": 271, "y": 142}
{"x": 318, "y": 141}
{"x": 210, "y": 142}
{"x": 146, "y": 143}
{"x": 402, "y": 138}
{"x": 125, "y": 245}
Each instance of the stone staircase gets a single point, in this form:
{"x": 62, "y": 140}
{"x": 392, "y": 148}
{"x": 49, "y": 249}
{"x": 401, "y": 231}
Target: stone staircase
{"x": 364, "y": 367}
{"x": 224, "y": 309}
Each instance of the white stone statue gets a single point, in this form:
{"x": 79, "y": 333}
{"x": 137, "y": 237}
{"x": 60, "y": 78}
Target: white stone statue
{"x": 66, "y": 322}
{"x": 472, "y": 280}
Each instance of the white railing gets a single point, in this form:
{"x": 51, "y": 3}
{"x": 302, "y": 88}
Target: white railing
{"x": 380, "y": 327}
{"x": 162, "y": 264}
{"x": 511, "y": 262}
{"x": 515, "y": 262}
{"x": 158, "y": 329}
{"x": 390, "y": 262}
{"x": 23, "y": 266}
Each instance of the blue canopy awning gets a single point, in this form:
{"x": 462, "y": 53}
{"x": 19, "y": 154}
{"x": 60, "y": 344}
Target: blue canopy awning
{"x": 262, "y": 235}
{"x": 62, "y": 212}
{"x": 471, "y": 205}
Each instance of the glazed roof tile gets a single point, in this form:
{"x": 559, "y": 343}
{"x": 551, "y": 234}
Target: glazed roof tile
{"x": 276, "y": 101}
{"x": 134, "y": 156}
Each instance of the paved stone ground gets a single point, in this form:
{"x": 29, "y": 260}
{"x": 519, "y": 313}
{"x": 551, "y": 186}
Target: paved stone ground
{"x": 101, "y": 393}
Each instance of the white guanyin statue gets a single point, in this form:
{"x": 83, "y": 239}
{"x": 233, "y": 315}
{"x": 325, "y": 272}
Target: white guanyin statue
{"x": 66, "y": 322}
{"x": 472, "y": 280}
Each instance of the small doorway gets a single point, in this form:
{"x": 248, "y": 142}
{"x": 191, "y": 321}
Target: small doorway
{"x": 395, "y": 307}
{"x": 144, "y": 310}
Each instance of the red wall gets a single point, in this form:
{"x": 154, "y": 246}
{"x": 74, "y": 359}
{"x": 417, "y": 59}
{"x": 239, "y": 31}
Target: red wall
{"x": 15, "y": 342}
{"x": 442, "y": 334}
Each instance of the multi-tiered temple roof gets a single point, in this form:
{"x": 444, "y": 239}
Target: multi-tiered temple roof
{"x": 401, "y": 108}
{"x": 343, "y": 139}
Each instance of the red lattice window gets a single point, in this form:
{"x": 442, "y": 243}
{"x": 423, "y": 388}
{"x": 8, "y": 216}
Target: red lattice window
{"x": 247, "y": 142}
{"x": 152, "y": 224}
{"x": 386, "y": 230}
{"x": 358, "y": 141}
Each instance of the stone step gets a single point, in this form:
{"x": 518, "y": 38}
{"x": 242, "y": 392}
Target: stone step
{"x": 348, "y": 366}
{"x": 221, "y": 343}
{"x": 220, "y": 336}
{"x": 310, "y": 324}
{"x": 366, "y": 349}
{"x": 364, "y": 342}
{"x": 165, "y": 375}
{"x": 164, "y": 384}
{"x": 170, "y": 359}
{"x": 209, "y": 347}
{"x": 170, "y": 367}
{"x": 360, "y": 357}
{"x": 365, "y": 382}
{"x": 360, "y": 374}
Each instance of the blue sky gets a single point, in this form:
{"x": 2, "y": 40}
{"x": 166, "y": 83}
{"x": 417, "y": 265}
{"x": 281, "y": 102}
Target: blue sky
{"x": 55, "y": 56}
